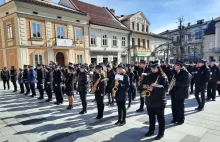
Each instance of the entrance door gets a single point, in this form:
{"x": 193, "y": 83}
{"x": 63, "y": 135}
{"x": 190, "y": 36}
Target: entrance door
{"x": 60, "y": 59}
{"x": 105, "y": 60}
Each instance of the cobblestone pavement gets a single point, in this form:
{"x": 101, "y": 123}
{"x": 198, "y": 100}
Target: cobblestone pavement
{"x": 25, "y": 119}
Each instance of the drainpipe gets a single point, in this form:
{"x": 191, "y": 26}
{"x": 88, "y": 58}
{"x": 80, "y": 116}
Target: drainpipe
{"x": 129, "y": 47}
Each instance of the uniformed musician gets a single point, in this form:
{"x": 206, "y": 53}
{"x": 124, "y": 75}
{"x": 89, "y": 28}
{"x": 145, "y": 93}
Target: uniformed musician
{"x": 48, "y": 82}
{"x": 25, "y": 78}
{"x": 157, "y": 84}
{"x": 122, "y": 85}
{"x": 69, "y": 86}
{"x": 40, "y": 81}
{"x": 110, "y": 83}
{"x": 57, "y": 80}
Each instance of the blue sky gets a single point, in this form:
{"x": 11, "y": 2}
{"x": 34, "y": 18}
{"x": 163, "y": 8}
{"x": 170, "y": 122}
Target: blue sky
{"x": 163, "y": 14}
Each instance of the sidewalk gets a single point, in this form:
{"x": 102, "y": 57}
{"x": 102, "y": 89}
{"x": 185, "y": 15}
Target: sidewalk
{"x": 25, "y": 119}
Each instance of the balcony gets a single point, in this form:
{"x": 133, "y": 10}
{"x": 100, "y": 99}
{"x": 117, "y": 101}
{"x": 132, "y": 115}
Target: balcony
{"x": 216, "y": 50}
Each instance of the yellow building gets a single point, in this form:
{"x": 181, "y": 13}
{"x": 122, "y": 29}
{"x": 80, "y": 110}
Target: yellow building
{"x": 35, "y": 31}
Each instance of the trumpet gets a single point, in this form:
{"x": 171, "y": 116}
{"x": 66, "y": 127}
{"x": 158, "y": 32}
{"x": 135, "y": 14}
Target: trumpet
{"x": 115, "y": 88}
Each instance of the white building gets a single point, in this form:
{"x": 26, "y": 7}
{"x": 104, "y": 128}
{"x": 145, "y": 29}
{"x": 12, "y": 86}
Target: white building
{"x": 212, "y": 40}
{"x": 142, "y": 41}
{"x": 192, "y": 39}
{"x": 108, "y": 37}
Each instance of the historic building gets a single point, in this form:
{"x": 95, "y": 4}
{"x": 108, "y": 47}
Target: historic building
{"x": 142, "y": 41}
{"x": 108, "y": 37}
{"x": 36, "y": 31}
{"x": 212, "y": 40}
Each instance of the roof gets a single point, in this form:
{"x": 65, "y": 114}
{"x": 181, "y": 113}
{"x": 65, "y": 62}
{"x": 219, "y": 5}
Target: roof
{"x": 125, "y": 18}
{"x": 51, "y": 5}
{"x": 98, "y": 15}
{"x": 210, "y": 28}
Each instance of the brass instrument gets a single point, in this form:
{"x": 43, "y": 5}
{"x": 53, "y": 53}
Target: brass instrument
{"x": 141, "y": 78}
{"x": 147, "y": 93}
{"x": 95, "y": 86}
{"x": 171, "y": 84}
{"x": 115, "y": 88}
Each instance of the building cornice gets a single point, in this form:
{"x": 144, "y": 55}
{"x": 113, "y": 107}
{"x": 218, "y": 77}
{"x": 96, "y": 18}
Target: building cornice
{"x": 108, "y": 28}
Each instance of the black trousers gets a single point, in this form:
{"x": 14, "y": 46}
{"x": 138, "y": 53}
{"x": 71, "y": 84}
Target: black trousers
{"x": 178, "y": 109}
{"x": 134, "y": 90}
{"x": 129, "y": 97}
{"x": 48, "y": 90}
{"x": 15, "y": 85}
{"x": 58, "y": 93}
{"x": 100, "y": 104}
{"x": 22, "y": 87}
{"x": 201, "y": 102}
{"x": 83, "y": 99}
{"x": 32, "y": 86}
{"x": 27, "y": 88}
{"x": 121, "y": 110}
{"x": 110, "y": 98}
{"x": 159, "y": 112}
{"x": 192, "y": 84}
{"x": 218, "y": 88}
{"x": 141, "y": 102}
{"x": 4, "y": 82}
{"x": 211, "y": 90}
{"x": 41, "y": 89}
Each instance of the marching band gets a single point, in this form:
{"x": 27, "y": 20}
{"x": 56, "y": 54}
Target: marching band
{"x": 120, "y": 83}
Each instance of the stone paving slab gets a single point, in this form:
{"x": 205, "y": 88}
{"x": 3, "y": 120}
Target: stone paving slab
{"x": 25, "y": 119}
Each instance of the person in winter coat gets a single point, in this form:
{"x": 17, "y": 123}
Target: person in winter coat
{"x": 5, "y": 76}
{"x": 32, "y": 80}
{"x": 13, "y": 74}
{"x": 110, "y": 76}
{"x": 20, "y": 80}
{"x": 69, "y": 87}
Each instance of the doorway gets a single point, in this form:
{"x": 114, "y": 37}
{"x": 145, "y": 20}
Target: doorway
{"x": 60, "y": 59}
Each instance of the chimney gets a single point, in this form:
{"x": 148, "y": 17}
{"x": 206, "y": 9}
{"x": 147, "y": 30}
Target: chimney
{"x": 112, "y": 11}
{"x": 200, "y": 21}
{"x": 189, "y": 24}
{"x": 122, "y": 15}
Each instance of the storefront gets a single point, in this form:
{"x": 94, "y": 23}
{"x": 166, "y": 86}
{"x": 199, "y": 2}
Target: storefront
{"x": 139, "y": 55}
{"x": 104, "y": 57}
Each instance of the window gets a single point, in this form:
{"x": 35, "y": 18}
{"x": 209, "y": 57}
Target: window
{"x": 148, "y": 44}
{"x": 139, "y": 42}
{"x": 78, "y": 35}
{"x": 133, "y": 41}
{"x": 9, "y": 30}
{"x": 211, "y": 57}
{"x": 144, "y": 43}
{"x": 38, "y": 59}
{"x": 36, "y": 30}
{"x": 79, "y": 59}
{"x": 123, "y": 41}
{"x": 104, "y": 40}
{"x": 147, "y": 29}
{"x": 93, "y": 39}
{"x": 178, "y": 38}
{"x": 114, "y": 41}
{"x": 199, "y": 34}
{"x": 143, "y": 28}
{"x": 189, "y": 37}
{"x": 137, "y": 26}
{"x": 60, "y": 32}
{"x": 132, "y": 25}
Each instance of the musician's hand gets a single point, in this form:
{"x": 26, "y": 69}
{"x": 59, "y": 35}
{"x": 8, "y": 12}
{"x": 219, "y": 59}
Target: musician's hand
{"x": 55, "y": 84}
{"x": 145, "y": 86}
{"x": 139, "y": 77}
{"x": 174, "y": 83}
{"x": 116, "y": 84}
{"x": 218, "y": 82}
{"x": 36, "y": 81}
{"x": 102, "y": 95}
{"x": 150, "y": 88}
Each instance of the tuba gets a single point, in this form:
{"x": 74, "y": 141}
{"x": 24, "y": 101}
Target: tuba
{"x": 147, "y": 93}
{"x": 115, "y": 88}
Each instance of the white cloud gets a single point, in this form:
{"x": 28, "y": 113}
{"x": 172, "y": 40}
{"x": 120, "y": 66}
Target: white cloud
{"x": 170, "y": 26}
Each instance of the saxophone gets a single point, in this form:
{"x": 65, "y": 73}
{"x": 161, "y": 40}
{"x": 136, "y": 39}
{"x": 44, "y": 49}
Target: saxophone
{"x": 115, "y": 88}
{"x": 147, "y": 93}
{"x": 95, "y": 86}
{"x": 171, "y": 84}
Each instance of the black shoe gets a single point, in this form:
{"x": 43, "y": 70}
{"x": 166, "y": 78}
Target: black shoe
{"x": 159, "y": 136}
{"x": 21, "y": 92}
{"x": 108, "y": 104}
{"x": 122, "y": 123}
{"x": 173, "y": 121}
{"x": 207, "y": 99}
{"x": 117, "y": 123}
{"x": 112, "y": 104}
{"x": 128, "y": 107}
{"x": 140, "y": 110}
{"x": 40, "y": 98}
{"x": 15, "y": 91}
{"x": 69, "y": 107}
{"x": 26, "y": 94}
{"x": 149, "y": 133}
{"x": 200, "y": 109}
{"x": 56, "y": 103}
{"x": 213, "y": 99}
{"x": 4, "y": 88}
{"x": 32, "y": 96}
{"x": 180, "y": 123}
{"x": 48, "y": 100}
{"x": 191, "y": 92}
{"x": 197, "y": 108}
{"x": 99, "y": 117}
{"x": 82, "y": 112}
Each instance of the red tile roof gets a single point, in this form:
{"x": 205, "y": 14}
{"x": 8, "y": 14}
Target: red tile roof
{"x": 51, "y": 5}
{"x": 99, "y": 15}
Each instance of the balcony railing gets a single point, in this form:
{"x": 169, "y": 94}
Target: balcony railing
{"x": 216, "y": 50}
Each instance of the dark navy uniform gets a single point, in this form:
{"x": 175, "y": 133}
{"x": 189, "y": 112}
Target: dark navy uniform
{"x": 40, "y": 82}
{"x": 193, "y": 70}
{"x": 5, "y": 76}
{"x": 201, "y": 81}
{"x": 13, "y": 75}
{"x": 121, "y": 99}
{"x": 57, "y": 80}
{"x": 212, "y": 84}
{"x": 69, "y": 84}
{"x": 25, "y": 78}
{"x": 110, "y": 83}
{"x": 99, "y": 95}
{"x": 131, "y": 88}
{"x": 48, "y": 84}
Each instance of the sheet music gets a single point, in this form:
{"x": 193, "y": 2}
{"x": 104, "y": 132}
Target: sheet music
{"x": 119, "y": 77}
